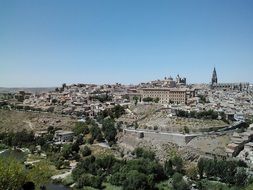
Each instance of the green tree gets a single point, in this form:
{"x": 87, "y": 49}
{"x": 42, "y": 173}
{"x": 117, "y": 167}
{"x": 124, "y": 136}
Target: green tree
{"x": 12, "y": 174}
{"x": 86, "y": 151}
{"x": 148, "y": 99}
{"x": 136, "y": 180}
{"x": 192, "y": 172}
{"x": 40, "y": 174}
{"x": 177, "y": 162}
{"x": 81, "y": 128}
{"x": 96, "y": 133}
{"x": 89, "y": 180}
{"x": 142, "y": 153}
{"x": 201, "y": 167}
{"x": 156, "y": 100}
{"x": 186, "y": 130}
{"x": 109, "y": 130}
{"x": 135, "y": 98}
{"x": 168, "y": 168}
{"x": 241, "y": 177}
{"x": 66, "y": 151}
{"x": 178, "y": 182}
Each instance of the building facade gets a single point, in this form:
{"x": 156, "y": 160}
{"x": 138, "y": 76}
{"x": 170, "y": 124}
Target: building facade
{"x": 168, "y": 95}
{"x": 63, "y": 136}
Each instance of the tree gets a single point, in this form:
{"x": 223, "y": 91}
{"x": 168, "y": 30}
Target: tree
{"x": 135, "y": 98}
{"x": 109, "y": 130}
{"x": 186, "y": 130}
{"x": 178, "y": 182}
{"x": 66, "y": 150}
{"x": 40, "y": 174}
{"x": 156, "y": 100}
{"x": 96, "y": 133}
{"x": 75, "y": 147}
{"x": 148, "y": 99}
{"x": 240, "y": 177}
{"x": 142, "y": 153}
{"x": 201, "y": 167}
{"x": 81, "y": 128}
{"x": 12, "y": 174}
{"x": 136, "y": 180}
{"x": 192, "y": 172}
{"x": 117, "y": 111}
{"x": 177, "y": 162}
{"x": 50, "y": 129}
{"x": 89, "y": 180}
{"x": 168, "y": 168}
{"x": 59, "y": 163}
{"x": 86, "y": 151}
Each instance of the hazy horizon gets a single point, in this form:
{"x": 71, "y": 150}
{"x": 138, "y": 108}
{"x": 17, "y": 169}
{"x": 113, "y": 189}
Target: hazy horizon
{"x": 47, "y": 43}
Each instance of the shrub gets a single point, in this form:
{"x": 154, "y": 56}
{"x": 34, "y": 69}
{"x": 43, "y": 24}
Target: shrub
{"x": 86, "y": 151}
{"x": 178, "y": 182}
{"x": 136, "y": 180}
{"x": 142, "y": 153}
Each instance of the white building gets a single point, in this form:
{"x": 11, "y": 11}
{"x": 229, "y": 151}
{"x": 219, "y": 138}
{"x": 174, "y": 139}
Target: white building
{"x": 63, "y": 136}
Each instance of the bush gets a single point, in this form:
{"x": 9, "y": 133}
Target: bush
{"x": 89, "y": 180}
{"x": 142, "y": 153}
{"x": 178, "y": 182}
{"x": 81, "y": 128}
{"x": 3, "y": 146}
{"x": 136, "y": 180}
{"x": 109, "y": 130}
{"x": 186, "y": 130}
{"x": 227, "y": 171}
{"x": 96, "y": 133}
{"x": 168, "y": 168}
{"x": 66, "y": 151}
{"x": 86, "y": 151}
{"x": 192, "y": 173}
{"x": 12, "y": 174}
{"x": 177, "y": 162}
{"x": 58, "y": 164}
{"x": 148, "y": 99}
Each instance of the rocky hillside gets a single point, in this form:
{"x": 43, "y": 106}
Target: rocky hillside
{"x": 11, "y": 120}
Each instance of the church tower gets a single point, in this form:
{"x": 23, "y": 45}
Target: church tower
{"x": 214, "y": 77}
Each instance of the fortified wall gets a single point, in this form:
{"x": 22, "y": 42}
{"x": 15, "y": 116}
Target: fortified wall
{"x": 176, "y": 138}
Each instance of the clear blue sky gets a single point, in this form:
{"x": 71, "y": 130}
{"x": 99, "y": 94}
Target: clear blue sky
{"x": 49, "y": 42}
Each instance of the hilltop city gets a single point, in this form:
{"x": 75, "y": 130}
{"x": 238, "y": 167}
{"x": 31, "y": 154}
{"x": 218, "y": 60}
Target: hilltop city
{"x": 175, "y": 125}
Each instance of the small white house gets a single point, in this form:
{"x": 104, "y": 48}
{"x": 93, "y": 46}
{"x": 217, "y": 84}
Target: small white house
{"x": 63, "y": 136}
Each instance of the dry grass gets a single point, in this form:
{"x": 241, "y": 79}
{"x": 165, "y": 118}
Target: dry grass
{"x": 11, "y": 120}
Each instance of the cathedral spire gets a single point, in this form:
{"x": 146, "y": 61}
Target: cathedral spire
{"x": 214, "y": 77}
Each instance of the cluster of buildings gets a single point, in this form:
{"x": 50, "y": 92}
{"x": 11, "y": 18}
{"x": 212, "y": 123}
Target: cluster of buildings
{"x": 89, "y": 99}
{"x": 166, "y": 91}
{"x": 242, "y": 86}
{"x": 235, "y": 99}
{"x": 78, "y": 99}
{"x": 167, "y": 82}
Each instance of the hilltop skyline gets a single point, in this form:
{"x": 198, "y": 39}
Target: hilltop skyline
{"x": 47, "y": 43}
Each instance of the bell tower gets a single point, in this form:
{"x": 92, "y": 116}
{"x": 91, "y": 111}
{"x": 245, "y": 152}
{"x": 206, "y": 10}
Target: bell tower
{"x": 214, "y": 77}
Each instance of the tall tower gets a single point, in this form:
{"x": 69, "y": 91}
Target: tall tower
{"x": 214, "y": 77}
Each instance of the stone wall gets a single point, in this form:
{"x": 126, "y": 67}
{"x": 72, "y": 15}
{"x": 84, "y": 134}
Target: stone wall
{"x": 176, "y": 138}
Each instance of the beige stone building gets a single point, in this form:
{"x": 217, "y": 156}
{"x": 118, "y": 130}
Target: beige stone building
{"x": 168, "y": 95}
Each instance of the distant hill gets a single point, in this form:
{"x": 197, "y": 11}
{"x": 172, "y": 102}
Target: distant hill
{"x": 32, "y": 90}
